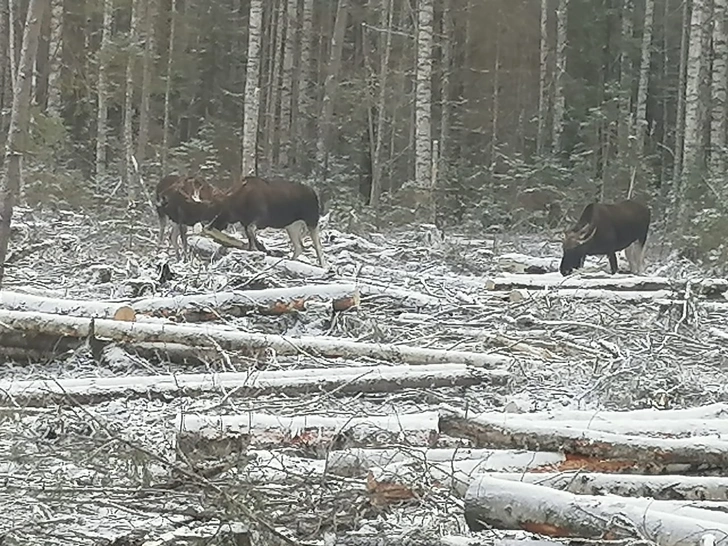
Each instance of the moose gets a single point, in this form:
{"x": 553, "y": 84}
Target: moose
{"x": 254, "y": 202}
{"x": 605, "y": 228}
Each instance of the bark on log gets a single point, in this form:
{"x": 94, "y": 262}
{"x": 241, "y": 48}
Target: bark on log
{"x": 639, "y": 454}
{"x": 664, "y": 487}
{"x": 716, "y": 410}
{"x": 520, "y": 263}
{"x": 18, "y": 301}
{"x": 273, "y": 301}
{"x": 514, "y": 505}
{"x": 241, "y": 385}
{"x": 357, "y": 461}
{"x": 206, "y": 336}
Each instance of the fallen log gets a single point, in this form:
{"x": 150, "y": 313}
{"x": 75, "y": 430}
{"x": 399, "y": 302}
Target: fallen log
{"x": 208, "y": 336}
{"x": 712, "y": 411}
{"x": 519, "y": 506}
{"x": 520, "y": 263}
{"x": 218, "y": 532}
{"x": 272, "y": 301}
{"x": 639, "y": 454}
{"x": 600, "y": 294}
{"x": 241, "y": 385}
{"x": 218, "y": 436}
{"x": 18, "y": 301}
{"x": 357, "y": 461}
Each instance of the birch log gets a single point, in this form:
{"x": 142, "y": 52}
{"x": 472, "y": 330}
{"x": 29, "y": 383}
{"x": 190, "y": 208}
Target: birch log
{"x": 513, "y": 505}
{"x": 233, "y": 340}
{"x": 240, "y": 385}
{"x": 638, "y": 453}
{"x": 18, "y": 301}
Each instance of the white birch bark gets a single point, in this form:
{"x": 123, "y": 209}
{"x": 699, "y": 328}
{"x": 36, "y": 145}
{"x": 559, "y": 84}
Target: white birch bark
{"x": 252, "y": 89}
{"x": 102, "y": 92}
{"x": 543, "y": 71}
{"x": 19, "y": 122}
{"x": 6, "y": 89}
{"x": 718, "y": 90}
{"x": 285, "y": 136}
{"x": 12, "y": 41}
{"x": 330, "y": 84}
{"x": 423, "y": 95}
{"x": 168, "y": 84}
{"x": 147, "y": 67}
{"x": 387, "y": 12}
{"x": 560, "y": 76}
{"x": 128, "y": 170}
{"x": 644, "y": 81}
{"x": 54, "y": 59}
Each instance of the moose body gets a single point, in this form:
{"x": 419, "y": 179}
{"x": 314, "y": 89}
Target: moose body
{"x": 186, "y": 200}
{"x": 605, "y": 229}
{"x": 259, "y": 203}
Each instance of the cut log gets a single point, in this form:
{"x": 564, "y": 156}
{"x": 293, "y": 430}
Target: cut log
{"x": 357, "y": 461}
{"x": 273, "y": 301}
{"x": 199, "y": 534}
{"x": 600, "y": 294}
{"x": 519, "y": 506}
{"x": 241, "y": 385}
{"x": 639, "y": 454}
{"x": 207, "y": 336}
{"x": 219, "y": 436}
{"x": 716, "y": 410}
{"x": 664, "y": 487}
{"x": 520, "y": 263}
{"x": 18, "y": 301}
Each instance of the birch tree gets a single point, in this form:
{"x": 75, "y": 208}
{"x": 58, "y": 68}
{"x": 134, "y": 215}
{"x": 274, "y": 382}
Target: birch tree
{"x": 693, "y": 144}
{"x": 543, "y": 72}
{"x": 286, "y": 138}
{"x": 128, "y": 100}
{"x": 330, "y": 84}
{"x": 642, "y": 88}
{"x": 252, "y": 89}
{"x": 54, "y": 59}
{"x": 560, "y": 76}
{"x": 19, "y": 121}
{"x": 168, "y": 84}
{"x": 147, "y": 66}
{"x": 719, "y": 81}
{"x": 5, "y": 87}
{"x": 103, "y": 91}
{"x": 423, "y": 97}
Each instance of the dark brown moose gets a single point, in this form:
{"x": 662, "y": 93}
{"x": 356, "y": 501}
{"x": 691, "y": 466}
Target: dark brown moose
{"x": 606, "y": 229}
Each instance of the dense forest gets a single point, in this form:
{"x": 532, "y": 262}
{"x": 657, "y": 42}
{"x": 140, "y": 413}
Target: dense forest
{"x": 510, "y": 112}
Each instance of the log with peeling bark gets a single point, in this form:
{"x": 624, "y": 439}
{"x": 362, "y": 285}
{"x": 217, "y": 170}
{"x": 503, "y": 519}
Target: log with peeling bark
{"x": 504, "y": 504}
{"x": 315, "y": 433}
{"x": 707, "y": 287}
{"x": 19, "y": 322}
{"x": 240, "y": 385}
{"x": 592, "y": 449}
{"x": 272, "y": 301}
{"x": 18, "y": 301}
{"x": 662, "y": 487}
{"x": 357, "y": 461}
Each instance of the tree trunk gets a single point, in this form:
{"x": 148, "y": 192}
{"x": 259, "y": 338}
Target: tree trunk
{"x": 19, "y": 121}
{"x": 496, "y": 100}
{"x": 103, "y": 92}
{"x": 285, "y": 135}
{"x": 147, "y": 67}
{"x": 559, "y": 99}
{"x": 693, "y": 149}
{"x": 168, "y": 84}
{"x": 446, "y": 64}
{"x": 718, "y": 91}
{"x": 305, "y": 88}
{"x": 386, "y": 50}
{"x": 55, "y": 59}
{"x": 543, "y": 72}
{"x": 624, "y": 128}
{"x": 276, "y": 64}
{"x": 252, "y": 89}
{"x": 128, "y": 167}
{"x": 641, "y": 120}
{"x": 680, "y": 116}
{"x": 42, "y": 60}
{"x": 6, "y": 87}
{"x": 330, "y": 84}
{"x": 12, "y": 41}
{"x": 423, "y": 99}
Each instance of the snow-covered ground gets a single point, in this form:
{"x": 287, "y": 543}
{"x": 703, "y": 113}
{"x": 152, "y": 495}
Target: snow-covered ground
{"x": 109, "y": 469}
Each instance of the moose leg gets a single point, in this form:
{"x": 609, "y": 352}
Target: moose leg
{"x": 612, "y": 262}
{"x": 183, "y": 237}
{"x": 295, "y": 234}
{"x": 632, "y": 253}
{"x": 174, "y": 233}
{"x": 253, "y": 241}
{"x": 316, "y": 240}
{"x": 162, "y": 229}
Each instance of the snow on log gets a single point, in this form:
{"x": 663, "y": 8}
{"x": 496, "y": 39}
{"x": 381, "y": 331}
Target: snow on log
{"x": 236, "y": 384}
{"x": 271, "y": 301}
{"x": 661, "y": 487}
{"x": 18, "y": 301}
{"x": 233, "y": 340}
{"x": 266, "y": 467}
{"x": 709, "y": 287}
{"x": 712, "y": 411}
{"x": 637, "y": 453}
{"x": 520, "y": 263}
{"x": 209, "y": 532}
{"x": 505, "y": 504}
{"x": 601, "y": 294}
{"x": 203, "y": 435}
{"x": 357, "y": 461}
